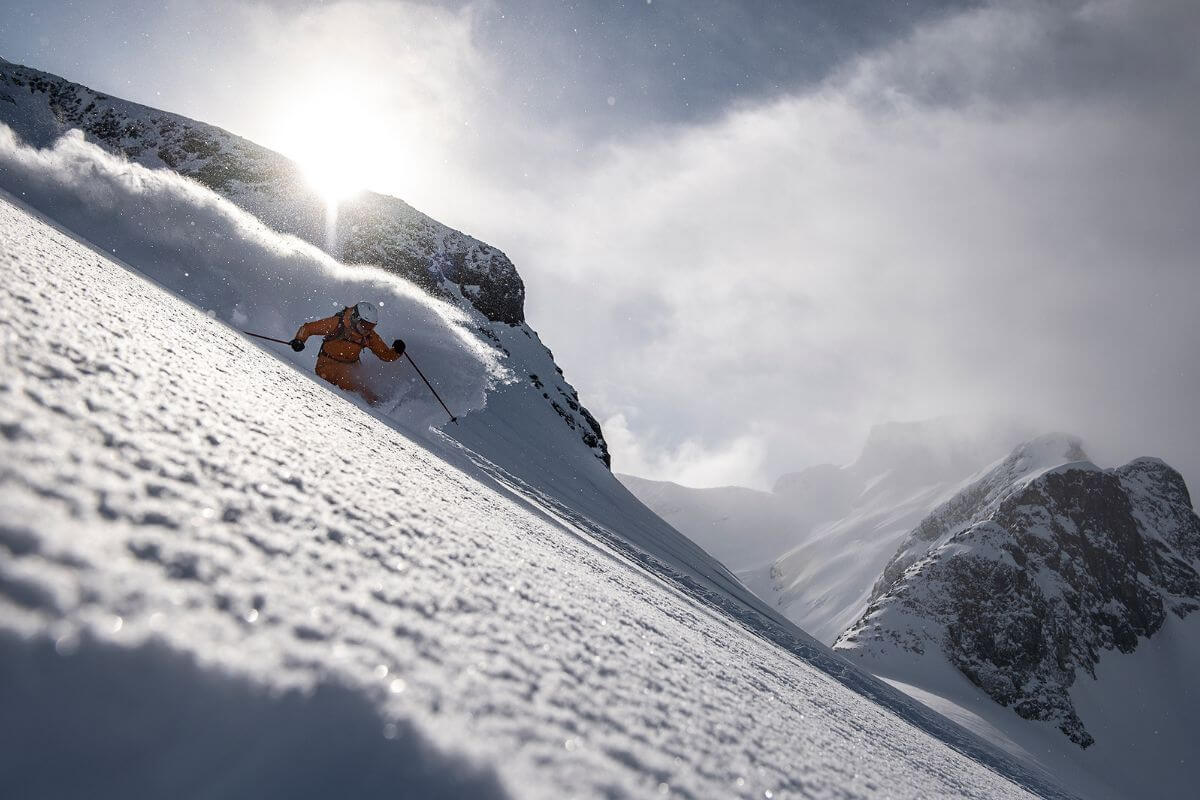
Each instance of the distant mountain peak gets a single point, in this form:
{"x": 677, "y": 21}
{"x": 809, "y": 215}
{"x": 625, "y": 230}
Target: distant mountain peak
{"x": 1026, "y": 576}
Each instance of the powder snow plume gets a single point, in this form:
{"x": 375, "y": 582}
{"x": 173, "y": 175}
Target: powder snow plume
{"x": 230, "y": 264}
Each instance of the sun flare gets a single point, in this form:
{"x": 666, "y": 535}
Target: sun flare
{"x": 333, "y": 140}
{"x": 335, "y": 161}
{"x": 335, "y": 178}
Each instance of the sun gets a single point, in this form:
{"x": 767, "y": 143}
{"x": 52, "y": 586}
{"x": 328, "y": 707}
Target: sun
{"x": 333, "y": 140}
{"x": 335, "y": 176}
{"x": 335, "y": 158}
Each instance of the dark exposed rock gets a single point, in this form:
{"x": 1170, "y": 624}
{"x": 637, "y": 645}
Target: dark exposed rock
{"x": 1027, "y": 576}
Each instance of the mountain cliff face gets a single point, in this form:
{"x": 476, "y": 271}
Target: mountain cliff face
{"x": 370, "y": 229}
{"x": 1029, "y": 575}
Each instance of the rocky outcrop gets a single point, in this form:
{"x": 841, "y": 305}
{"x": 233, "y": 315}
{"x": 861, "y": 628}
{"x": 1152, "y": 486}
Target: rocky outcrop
{"x": 1027, "y": 576}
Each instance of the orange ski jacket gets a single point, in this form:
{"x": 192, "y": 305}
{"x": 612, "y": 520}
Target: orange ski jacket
{"x": 342, "y": 342}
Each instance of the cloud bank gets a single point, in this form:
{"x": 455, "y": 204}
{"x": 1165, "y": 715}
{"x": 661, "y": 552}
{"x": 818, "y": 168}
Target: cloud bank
{"x": 994, "y": 217}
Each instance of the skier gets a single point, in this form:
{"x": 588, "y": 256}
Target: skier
{"x": 346, "y": 334}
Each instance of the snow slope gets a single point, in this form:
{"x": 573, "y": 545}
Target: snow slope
{"x": 520, "y": 421}
{"x": 217, "y": 577}
{"x": 1142, "y": 707}
{"x": 814, "y": 545}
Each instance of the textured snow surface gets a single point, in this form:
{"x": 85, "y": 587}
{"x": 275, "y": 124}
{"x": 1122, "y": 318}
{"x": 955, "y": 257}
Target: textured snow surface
{"x": 217, "y": 576}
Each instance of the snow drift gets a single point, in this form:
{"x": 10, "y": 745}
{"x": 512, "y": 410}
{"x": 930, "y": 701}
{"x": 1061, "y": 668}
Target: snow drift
{"x": 228, "y": 263}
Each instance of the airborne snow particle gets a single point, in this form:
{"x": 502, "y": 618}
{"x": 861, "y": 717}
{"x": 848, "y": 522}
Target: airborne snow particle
{"x": 66, "y": 644}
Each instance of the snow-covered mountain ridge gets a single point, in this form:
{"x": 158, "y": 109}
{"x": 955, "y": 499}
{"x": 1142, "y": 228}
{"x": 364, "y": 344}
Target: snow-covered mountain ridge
{"x": 815, "y": 544}
{"x": 198, "y": 538}
{"x": 1028, "y": 576}
{"x": 370, "y": 228}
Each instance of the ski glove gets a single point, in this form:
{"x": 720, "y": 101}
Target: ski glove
{"x": 398, "y": 346}
{"x": 297, "y": 345}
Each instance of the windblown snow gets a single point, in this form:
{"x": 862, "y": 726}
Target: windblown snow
{"x": 224, "y": 260}
{"x": 217, "y": 576}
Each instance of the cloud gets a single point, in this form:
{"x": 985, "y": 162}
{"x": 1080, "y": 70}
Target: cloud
{"x": 225, "y": 261}
{"x": 405, "y": 82}
{"x": 690, "y": 463}
{"x": 447, "y": 95}
{"x": 941, "y": 229}
{"x": 417, "y": 90}
{"x": 402, "y": 82}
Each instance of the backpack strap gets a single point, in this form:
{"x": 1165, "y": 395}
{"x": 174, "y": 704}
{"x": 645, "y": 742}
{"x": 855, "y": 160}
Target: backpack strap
{"x": 342, "y": 333}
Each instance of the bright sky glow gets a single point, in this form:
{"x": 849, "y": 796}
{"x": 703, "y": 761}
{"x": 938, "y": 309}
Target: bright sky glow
{"x": 314, "y": 128}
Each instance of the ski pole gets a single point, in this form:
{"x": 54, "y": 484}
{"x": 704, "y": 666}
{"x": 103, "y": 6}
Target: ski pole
{"x": 453, "y": 418}
{"x": 268, "y": 338}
